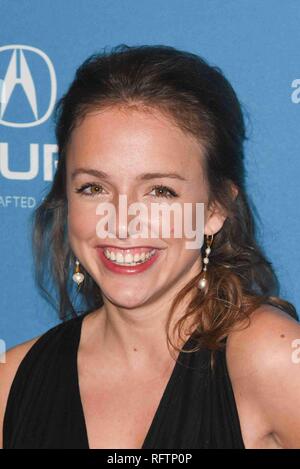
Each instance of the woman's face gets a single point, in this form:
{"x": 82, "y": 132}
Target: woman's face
{"x": 118, "y": 151}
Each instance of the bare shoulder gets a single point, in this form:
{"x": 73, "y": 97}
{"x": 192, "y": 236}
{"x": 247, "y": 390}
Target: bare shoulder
{"x": 264, "y": 365}
{"x": 8, "y": 369}
{"x": 266, "y": 342}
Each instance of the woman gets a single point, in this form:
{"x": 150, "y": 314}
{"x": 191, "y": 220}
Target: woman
{"x": 178, "y": 347}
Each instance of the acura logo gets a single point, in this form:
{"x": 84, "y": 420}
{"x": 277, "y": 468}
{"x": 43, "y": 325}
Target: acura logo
{"x": 18, "y": 73}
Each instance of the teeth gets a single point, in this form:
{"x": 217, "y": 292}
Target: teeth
{"x": 119, "y": 258}
{"x": 128, "y": 259}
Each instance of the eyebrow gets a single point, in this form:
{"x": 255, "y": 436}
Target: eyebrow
{"x": 142, "y": 177}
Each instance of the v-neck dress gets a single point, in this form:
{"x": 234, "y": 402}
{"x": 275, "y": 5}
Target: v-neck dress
{"x": 44, "y": 409}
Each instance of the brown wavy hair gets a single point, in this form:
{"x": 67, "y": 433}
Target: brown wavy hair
{"x": 201, "y": 101}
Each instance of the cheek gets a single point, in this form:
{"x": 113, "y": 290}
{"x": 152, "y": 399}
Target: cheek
{"x": 81, "y": 220}
{"x": 181, "y": 249}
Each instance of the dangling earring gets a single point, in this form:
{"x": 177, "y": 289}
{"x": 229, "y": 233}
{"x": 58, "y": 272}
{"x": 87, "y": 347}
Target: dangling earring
{"x": 78, "y": 277}
{"x": 203, "y": 280}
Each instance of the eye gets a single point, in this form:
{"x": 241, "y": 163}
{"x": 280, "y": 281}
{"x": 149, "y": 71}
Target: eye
{"x": 89, "y": 189}
{"x": 164, "y": 191}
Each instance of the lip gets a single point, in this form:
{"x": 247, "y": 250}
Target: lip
{"x": 125, "y": 247}
{"x": 122, "y": 269}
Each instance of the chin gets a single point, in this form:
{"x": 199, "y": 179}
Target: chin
{"x": 127, "y": 299}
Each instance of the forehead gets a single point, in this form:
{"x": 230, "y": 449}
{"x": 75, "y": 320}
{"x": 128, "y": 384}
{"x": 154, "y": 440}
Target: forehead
{"x": 138, "y": 139}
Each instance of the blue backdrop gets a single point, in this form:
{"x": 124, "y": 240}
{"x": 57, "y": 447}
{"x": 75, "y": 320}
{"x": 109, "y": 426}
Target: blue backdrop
{"x": 256, "y": 44}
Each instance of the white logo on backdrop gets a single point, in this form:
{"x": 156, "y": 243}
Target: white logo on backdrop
{"x": 25, "y": 79}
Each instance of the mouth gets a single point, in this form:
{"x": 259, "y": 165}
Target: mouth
{"x": 128, "y": 261}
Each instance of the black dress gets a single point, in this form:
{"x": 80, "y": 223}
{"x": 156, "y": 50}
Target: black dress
{"x": 44, "y": 409}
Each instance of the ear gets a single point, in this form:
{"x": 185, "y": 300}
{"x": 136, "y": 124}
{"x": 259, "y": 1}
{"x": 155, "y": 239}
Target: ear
{"x": 215, "y": 220}
{"x": 216, "y": 215}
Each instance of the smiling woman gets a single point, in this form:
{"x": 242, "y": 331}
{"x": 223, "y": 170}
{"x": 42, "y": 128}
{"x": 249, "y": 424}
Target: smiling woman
{"x": 155, "y": 125}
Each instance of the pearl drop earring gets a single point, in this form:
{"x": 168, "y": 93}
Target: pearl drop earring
{"x": 203, "y": 280}
{"x": 78, "y": 277}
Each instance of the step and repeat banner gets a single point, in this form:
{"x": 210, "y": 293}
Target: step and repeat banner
{"x": 42, "y": 42}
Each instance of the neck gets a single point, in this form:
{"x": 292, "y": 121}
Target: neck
{"x": 137, "y": 337}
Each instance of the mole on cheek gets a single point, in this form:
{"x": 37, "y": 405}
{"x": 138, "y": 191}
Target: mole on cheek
{"x": 282, "y": 335}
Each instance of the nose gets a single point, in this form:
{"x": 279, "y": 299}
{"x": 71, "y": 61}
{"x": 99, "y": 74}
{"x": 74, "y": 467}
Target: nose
{"x": 122, "y": 219}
